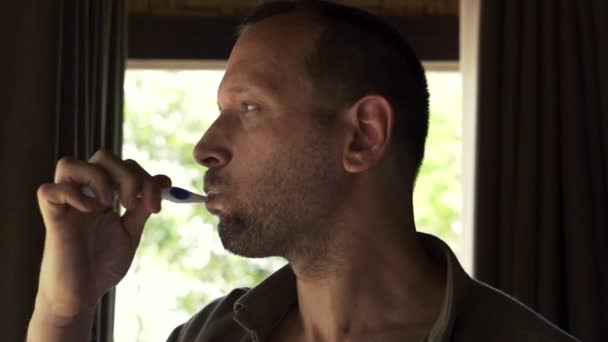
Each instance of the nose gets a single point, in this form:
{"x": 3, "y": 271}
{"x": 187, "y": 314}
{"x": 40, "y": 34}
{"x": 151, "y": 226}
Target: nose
{"x": 213, "y": 149}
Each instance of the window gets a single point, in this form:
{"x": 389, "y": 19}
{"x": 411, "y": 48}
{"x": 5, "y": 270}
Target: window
{"x": 181, "y": 264}
{"x": 438, "y": 194}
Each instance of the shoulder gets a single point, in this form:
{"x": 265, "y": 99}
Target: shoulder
{"x": 215, "y": 319}
{"x": 488, "y": 314}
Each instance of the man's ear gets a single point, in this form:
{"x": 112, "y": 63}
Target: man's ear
{"x": 370, "y": 126}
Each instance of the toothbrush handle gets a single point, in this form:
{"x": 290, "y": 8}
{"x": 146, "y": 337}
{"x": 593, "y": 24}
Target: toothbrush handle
{"x": 165, "y": 194}
{"x": 87, "y": 191}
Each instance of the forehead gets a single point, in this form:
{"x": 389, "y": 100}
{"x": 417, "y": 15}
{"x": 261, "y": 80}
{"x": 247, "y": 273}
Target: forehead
{"x": 272, "y": 53}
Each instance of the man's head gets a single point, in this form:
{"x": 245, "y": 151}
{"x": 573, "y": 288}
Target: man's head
{"x": 314, "y": 96}
{"x": 357, "y": 54}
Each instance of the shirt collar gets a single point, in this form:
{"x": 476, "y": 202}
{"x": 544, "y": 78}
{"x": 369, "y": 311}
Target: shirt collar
{"x": 457, "y": 281}
{"x": 261, "y": 309}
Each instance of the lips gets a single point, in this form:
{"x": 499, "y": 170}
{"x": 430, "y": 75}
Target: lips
{"x": 212, "y": 203}
{"x": 214, "y": 191}
{"x": 211, "y": 194}
{"x": 211, "y": 191}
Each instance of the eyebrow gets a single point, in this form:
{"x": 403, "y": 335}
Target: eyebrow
{"x": 256, "y": 84}
{"x": 239, "y": 89}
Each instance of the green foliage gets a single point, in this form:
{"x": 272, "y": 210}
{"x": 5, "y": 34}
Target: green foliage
{"x": 438, "y": 192}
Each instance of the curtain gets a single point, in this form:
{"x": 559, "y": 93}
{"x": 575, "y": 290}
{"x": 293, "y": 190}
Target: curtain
{"x": 541, "y": 208}
{"x": 62, "y": 95}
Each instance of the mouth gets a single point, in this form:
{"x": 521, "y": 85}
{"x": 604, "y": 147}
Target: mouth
{"x": 211, "y": 194}
{"x": 212, "y": 203}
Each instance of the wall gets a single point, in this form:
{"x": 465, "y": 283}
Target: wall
{"x": 232, "y": 7}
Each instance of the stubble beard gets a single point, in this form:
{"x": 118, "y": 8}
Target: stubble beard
{"x": 288, "y": 210}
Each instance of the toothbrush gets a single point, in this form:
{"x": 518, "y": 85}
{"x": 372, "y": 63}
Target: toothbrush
{"x": 171, "y": 194}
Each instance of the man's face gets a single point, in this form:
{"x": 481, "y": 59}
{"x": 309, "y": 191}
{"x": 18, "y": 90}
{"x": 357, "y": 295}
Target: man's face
{"x": 274, "y": 171}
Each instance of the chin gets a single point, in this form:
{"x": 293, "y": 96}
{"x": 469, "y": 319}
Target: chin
{"x": 243, "y": 240}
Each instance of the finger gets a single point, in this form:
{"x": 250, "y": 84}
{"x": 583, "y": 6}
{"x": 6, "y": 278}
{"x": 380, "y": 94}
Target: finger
{"x": 141, "y": 179}
{"x": 70, "y": 170}
{"x": 151, "y": 195}
{"x": 54, "y": 199}
{"x": 127, "y": 175}
{"x": 160, "y": 182}
{"x": 163, "y": 181}
{"x": 134, "y": 220}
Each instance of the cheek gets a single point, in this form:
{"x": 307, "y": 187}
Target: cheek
{"x": 260, "y": 143}
{"x": 274, "y": 150}
{"x": 253, "y": 157}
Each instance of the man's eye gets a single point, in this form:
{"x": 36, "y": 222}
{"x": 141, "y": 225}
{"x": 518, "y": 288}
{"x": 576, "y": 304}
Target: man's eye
{"x": 248, "y": 107}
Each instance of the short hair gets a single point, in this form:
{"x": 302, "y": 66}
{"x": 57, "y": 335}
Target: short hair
{"x": 359, "y": 54}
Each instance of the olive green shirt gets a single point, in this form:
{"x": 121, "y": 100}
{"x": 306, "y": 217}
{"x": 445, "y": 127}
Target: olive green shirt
{"x": 471, "y": 310}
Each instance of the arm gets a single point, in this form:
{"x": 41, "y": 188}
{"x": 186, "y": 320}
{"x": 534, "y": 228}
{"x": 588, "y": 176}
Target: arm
{"x": 44, "y": 326}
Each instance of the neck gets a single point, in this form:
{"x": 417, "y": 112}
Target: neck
{"x": 377, "y": 278}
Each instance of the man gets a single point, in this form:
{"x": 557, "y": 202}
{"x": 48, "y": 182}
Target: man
{"x": 324, "y": 114}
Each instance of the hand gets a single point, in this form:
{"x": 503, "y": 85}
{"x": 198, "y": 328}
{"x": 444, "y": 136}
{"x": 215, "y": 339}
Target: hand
{"x": 88, "y": 247}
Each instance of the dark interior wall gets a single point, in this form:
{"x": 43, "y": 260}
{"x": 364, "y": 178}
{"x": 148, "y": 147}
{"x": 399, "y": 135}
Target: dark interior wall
{"x": 175, "y": 37}
{"x": 28, "y": 30}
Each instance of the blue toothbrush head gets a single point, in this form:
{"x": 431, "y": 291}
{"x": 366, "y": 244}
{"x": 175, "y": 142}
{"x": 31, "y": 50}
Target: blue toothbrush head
{"x": 179, "y": 193}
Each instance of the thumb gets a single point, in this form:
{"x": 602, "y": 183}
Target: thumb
{"x": 134, "y": 220}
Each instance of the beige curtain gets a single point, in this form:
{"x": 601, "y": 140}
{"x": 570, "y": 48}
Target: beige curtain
{"x": 63, "y": 63}
{"x": 541, "y": 213}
